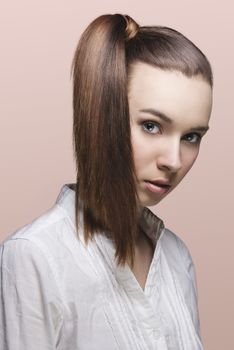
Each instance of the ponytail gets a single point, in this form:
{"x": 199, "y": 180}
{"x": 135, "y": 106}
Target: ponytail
{"x": 106, "y": 181}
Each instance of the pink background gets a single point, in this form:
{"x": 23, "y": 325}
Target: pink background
{"x": 38, "y": 39}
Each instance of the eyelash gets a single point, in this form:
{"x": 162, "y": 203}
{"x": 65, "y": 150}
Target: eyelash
{"x": 150, "y": 122}
{"x": 198, "y": 136}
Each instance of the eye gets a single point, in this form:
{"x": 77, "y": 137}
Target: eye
{"x": 150, "y": 127}
{"x": 193, "y": 137}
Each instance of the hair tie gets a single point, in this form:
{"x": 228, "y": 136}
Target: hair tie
{"x": 132, "y": 27}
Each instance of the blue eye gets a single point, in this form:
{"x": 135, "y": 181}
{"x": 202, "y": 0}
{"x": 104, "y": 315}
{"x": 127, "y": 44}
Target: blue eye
{"x": 150, "y": 127}
{"x": 193, "y": 137}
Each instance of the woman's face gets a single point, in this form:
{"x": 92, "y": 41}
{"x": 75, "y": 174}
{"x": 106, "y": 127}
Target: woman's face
{"x": 169, "y": 113}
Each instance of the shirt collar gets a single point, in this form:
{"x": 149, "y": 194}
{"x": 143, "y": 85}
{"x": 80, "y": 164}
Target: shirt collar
{"x": 150, "y": 223}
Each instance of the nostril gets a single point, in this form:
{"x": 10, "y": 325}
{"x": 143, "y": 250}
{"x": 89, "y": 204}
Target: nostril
{"x": 171, "y": 164}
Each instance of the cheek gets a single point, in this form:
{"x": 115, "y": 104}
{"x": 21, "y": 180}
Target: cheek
{"x": 141, "y": 151}
{"x": 139, "y": 154}
{"x": 189, "y": 159}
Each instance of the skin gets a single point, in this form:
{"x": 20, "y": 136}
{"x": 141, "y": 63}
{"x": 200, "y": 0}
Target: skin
{"x": 162, "y": 149}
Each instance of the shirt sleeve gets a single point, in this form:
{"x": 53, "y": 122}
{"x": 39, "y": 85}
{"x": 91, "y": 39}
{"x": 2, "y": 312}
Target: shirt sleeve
{"x": 30, "y": 306}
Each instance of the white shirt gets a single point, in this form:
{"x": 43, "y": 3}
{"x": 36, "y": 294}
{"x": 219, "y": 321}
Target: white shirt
{"x": 57, "y": 293}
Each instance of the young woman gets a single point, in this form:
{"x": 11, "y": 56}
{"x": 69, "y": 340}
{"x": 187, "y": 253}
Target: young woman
{"x": 99, "y": 270}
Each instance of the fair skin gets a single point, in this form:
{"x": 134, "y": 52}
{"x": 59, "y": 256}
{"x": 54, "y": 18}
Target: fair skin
{"x": 164, "y": 147}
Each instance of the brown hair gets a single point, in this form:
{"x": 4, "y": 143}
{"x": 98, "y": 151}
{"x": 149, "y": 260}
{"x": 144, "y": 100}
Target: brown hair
{"x": 106, "y": 177}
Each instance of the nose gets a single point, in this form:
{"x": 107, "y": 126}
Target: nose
{"x": 169, "y": 157}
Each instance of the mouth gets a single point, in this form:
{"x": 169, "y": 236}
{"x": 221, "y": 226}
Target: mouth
{"x": 160, "y": 186}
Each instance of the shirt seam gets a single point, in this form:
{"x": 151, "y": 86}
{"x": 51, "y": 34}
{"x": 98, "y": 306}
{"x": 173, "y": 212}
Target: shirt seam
{"x": 48, "y": 264}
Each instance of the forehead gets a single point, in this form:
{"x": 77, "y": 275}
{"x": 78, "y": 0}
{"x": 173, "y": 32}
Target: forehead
{"x": 180, "y": 97}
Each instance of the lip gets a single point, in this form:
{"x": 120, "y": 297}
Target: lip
{"x": 154, "y": 186}
{"x": 159, "y": 182}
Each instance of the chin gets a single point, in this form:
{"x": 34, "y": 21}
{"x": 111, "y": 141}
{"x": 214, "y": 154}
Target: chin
{"x": 145, "y": 201}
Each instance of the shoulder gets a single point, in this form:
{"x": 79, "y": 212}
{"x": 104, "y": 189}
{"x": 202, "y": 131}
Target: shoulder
{"x": 181, "y": 264}
{"x": 38, "y": 244}
{"x": 172, "y": 239}
{"x": 43, "y": 223}
{"x": 177, "y": 252}
{"x": 25, "y": 268}
{"x": 30, "y": 291}
{"x": 44, "y": 231}
{"x": 49, "y": 245}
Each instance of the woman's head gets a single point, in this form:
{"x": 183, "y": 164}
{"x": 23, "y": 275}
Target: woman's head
{"x": 117, "y": 67}
{"x": 169, "y": 114}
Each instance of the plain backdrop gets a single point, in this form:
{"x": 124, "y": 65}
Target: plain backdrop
{"x": 38, "y": 39}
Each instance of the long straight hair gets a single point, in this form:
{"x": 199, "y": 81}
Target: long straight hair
{"x": 101, "y": 67}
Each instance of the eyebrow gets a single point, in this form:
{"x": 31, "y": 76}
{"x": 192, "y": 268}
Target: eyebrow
{"x": 168, "y": 120}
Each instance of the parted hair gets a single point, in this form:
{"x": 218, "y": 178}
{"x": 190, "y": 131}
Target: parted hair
{"x": 101, "y": 69}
